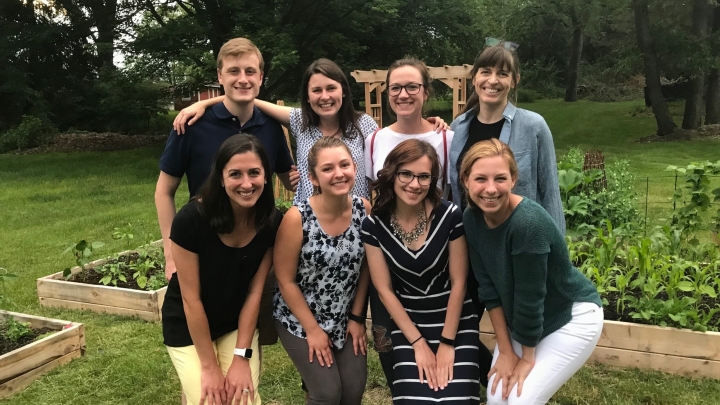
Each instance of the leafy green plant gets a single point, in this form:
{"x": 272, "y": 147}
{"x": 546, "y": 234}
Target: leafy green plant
{"x": 14, "y": 330}
{"x": 124, "y": 233}
{"x": 282, "y": 205}
{"x": 82, "y": 251}
{"x": 694, "y": 198}
{"x": 156, "y": 282}
{"x": 112, "y": 273}
{"x": 584, "y": 203}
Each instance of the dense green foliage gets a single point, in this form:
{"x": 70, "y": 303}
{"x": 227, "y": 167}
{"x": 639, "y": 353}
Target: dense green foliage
{"x": 587, "y": 201}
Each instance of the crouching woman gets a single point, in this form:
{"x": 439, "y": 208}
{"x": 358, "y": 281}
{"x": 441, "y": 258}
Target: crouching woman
{"x": 222, "y": 243}
{"x": 547, "y": 316}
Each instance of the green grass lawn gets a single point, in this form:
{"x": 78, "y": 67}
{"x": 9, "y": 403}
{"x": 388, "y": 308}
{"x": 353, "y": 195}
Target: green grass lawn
{"x": 49, "y": 201}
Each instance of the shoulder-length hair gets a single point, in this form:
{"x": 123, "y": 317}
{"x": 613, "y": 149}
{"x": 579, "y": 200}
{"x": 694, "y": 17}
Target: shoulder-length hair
{"x": 498, "y": 57}
{"x": 406, "y": 152}
{"x": 347, "y": 115}
{"x": 213, "y": 201}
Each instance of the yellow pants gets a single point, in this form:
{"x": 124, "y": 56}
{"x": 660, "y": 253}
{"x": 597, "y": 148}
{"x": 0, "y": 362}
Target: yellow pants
{"x": 187, "y": 364}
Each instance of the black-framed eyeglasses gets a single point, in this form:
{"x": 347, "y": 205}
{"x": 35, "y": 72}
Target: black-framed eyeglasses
{"x": 410, "y": 88}
{"x": 424, "y": 179}
{"x": 508, "y": 45}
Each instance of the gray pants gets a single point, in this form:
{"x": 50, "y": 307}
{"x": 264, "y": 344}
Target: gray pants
{"x": 343, "y": 383}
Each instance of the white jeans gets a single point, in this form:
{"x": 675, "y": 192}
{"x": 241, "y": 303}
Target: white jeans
{"x": 558, "y": 357}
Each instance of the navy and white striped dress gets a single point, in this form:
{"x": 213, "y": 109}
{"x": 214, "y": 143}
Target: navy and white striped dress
{"x": 422, "y": 284}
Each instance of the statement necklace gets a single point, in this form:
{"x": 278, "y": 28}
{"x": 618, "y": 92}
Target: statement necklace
{"x": 409, "y": 237}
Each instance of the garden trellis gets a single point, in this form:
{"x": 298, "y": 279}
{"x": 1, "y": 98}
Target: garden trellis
{"x": 453, "y": 76}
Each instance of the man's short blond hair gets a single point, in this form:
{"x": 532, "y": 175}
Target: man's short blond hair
{"x": 238, "y": 47}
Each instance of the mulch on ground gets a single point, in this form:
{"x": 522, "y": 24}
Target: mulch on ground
{"x": 704, "y": 132}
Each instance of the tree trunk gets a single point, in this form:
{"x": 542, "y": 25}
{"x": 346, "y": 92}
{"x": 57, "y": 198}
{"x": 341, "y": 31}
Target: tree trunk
{"x": 573, "y": 68}
{"x": 712, "y": 95}
{"x": 694, "y": 102}
{"x": 665, "y": 123}
{"x": 105, "y": 15}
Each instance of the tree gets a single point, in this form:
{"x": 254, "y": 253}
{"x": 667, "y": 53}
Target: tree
{"x": 694, "y": 101}
{"x": 712, "y": 105}
{"x": 665, "y": 123}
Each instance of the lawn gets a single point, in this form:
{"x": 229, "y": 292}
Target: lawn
{"x": 49, "y": 201}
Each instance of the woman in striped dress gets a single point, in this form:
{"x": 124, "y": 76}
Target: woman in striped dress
{"x": 410, "y": 238}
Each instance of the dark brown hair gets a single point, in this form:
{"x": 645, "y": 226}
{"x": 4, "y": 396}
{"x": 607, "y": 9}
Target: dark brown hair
{"x": 498, "y": 57}
{"x": 406, "y": 152}
{"x": 417, "y": 64}
{"x": 347, "y": 115}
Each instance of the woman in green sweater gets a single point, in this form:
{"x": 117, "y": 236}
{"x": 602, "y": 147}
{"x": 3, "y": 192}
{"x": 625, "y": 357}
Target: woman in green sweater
{"x": 547, "y": 316}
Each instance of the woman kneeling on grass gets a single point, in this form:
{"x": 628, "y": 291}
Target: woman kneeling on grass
{"x": 222, "y": 243}
{"x": 323, "y": 280}
{"x": 418, "y": 262}
{"x": 547, "y": 316}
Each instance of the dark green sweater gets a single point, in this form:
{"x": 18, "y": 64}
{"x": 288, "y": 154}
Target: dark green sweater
{"x": 523, "y": 266}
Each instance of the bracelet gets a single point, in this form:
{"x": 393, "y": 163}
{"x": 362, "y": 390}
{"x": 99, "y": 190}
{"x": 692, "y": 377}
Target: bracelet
{"x": 357, "y": 318}
{"x": 416, "y": 340}
{"x": 449, "y": 342}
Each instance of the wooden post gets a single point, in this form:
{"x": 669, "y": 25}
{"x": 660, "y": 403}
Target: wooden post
{"x": 278, "y": 188}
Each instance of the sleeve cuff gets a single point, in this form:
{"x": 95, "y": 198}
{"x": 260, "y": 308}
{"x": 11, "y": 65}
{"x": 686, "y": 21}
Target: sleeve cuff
{"x": 492, "y": 304}
{"x": 529, "y": 341}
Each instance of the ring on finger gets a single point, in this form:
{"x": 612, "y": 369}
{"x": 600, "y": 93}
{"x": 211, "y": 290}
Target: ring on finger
{"x": 246, "y": 391}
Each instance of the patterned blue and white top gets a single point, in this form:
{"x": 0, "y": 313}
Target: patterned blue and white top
{"x": 328, "y": 273}
{"x": 305, "y": 139}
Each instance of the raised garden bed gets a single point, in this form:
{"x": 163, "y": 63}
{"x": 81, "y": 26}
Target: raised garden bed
{"x": 82, "y": 291}
{"x": 22, "y": 366}
{"x": 625, "y": 344}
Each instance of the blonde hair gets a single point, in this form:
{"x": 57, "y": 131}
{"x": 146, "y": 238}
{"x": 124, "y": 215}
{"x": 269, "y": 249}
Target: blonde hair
{"x": 238, "y": 47}
{"x": 484, "y": 149}
{"x": 326, "y": 142}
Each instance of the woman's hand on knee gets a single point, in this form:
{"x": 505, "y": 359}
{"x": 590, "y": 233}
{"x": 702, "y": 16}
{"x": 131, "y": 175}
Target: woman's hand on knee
{"x": 357, "y": 332}
{"x": 425, "y": 360}
{"x": 445, "y": 359}
{"x": 239, "y": 388}
{"x": 503, "y": 370}
{"x": 520, "y": 373}
{"x": 212, "y": 386}
{"x": 319, "y": 345}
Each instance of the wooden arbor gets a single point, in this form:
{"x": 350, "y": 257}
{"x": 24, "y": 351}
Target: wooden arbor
{"x": 453, "y": 76}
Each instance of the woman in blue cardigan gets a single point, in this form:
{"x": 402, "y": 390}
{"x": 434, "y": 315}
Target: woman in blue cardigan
{"x": 489, "y": 114}
{"x": 547, "y": 316}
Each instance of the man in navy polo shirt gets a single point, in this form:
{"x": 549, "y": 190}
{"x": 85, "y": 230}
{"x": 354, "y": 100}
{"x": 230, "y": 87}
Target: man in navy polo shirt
{"x": 240, "y": 72}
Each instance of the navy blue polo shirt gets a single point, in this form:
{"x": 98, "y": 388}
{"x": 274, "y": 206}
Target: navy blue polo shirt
{"x": 192, "y": 153}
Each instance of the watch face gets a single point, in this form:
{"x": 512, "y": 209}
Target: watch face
{"x": 248, "y": 353}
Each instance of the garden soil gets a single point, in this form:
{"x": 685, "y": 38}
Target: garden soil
{"x": 6, "y": 346}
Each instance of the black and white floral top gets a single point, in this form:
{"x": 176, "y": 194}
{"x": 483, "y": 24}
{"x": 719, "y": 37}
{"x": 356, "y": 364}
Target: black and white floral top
{"x": 306, "y": 138}
{"x": 327, "y": 274}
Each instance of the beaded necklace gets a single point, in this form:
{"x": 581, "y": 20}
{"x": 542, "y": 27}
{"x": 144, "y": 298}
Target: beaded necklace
{"x": 409, "y": 237}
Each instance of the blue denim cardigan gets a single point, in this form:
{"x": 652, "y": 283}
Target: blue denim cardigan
{"x": 530, "y": 140}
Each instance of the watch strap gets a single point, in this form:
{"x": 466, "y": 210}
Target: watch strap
{"x": 245, "y": 353}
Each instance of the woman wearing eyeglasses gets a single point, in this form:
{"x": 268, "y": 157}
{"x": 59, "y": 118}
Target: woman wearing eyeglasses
{"x": 408, "y": 87}
{"x": 489, "y": 114}
{"x": 415, "y": 248}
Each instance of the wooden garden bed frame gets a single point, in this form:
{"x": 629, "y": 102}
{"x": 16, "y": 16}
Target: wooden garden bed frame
{"x": 54, "y": 291}
{"x": 624, "y": 344}
{"x": 22, "y": 366}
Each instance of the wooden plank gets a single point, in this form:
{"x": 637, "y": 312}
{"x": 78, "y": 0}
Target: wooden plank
{"x": 450, "y": 71}
{"x": 369, "y": 76}
{"x": 36, "y": 321}
{"x": 661, "y": 362}
{"x": 21, "y": 382}
{"x": 160, "y": 301}
{"x": 651, "y": 339}
{"x": 37, "y": 353}
{"x": 57, "y": 303}
{"x": 656, "y": 339}
{"x": 96, "y": 294}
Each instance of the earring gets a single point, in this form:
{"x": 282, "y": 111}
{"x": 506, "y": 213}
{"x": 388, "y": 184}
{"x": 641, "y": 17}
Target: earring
{"x": 265, "y": 181}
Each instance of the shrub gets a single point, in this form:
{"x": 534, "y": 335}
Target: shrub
{"x": 585, "y": 204}
{"x": 33, "y": 131}
{"x": 527, "y": 95}
{"x": 543, "y": 76}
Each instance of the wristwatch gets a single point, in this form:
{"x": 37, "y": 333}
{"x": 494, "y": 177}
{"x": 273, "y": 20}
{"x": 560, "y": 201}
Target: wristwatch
{"x": 449, "y": 342}
{"x": 245, "y": 353}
